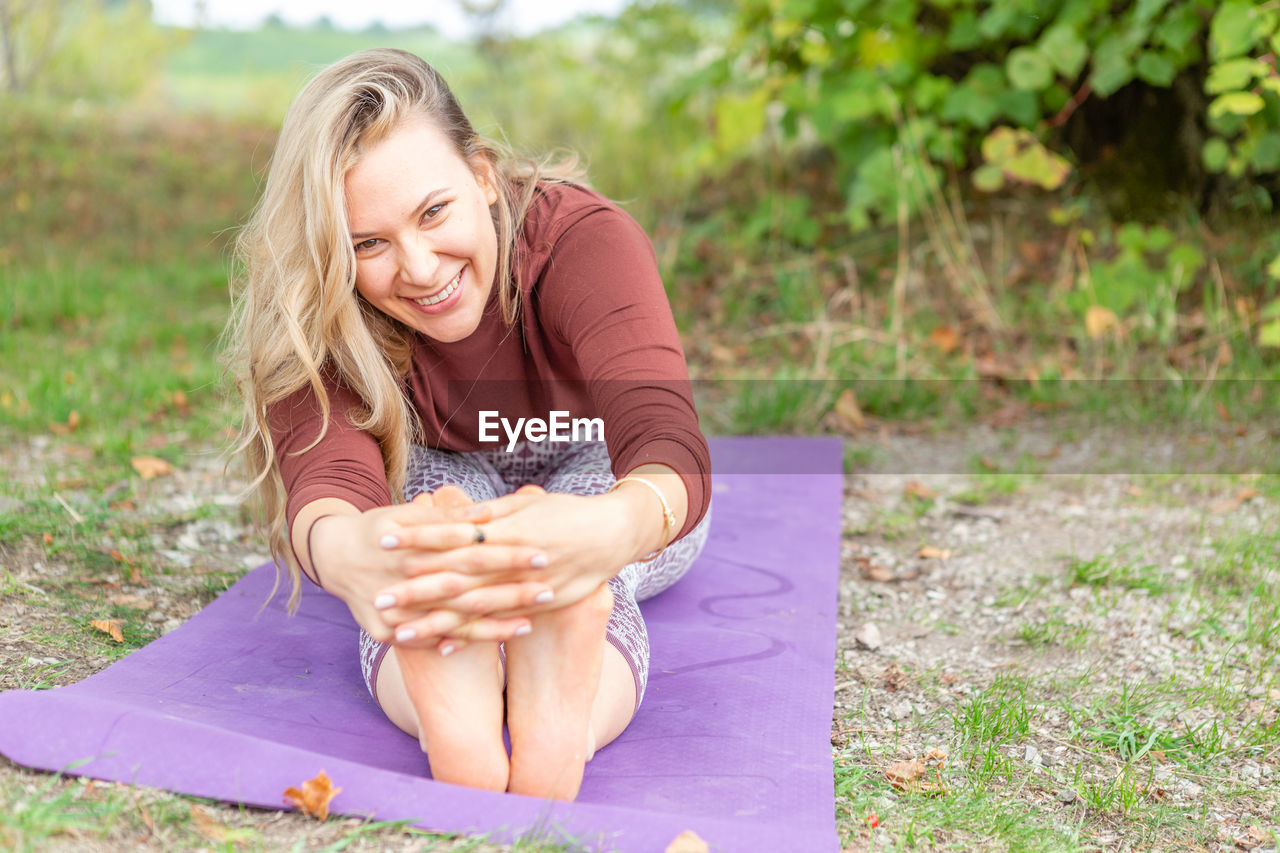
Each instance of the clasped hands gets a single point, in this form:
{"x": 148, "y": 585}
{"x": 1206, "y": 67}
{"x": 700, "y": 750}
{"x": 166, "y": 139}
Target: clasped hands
{"x": 415, "y": 573}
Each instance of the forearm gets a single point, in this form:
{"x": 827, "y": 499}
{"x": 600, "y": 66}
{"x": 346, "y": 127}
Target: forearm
{"x": 308, "y": 536}
{"x": 644, "y": 511}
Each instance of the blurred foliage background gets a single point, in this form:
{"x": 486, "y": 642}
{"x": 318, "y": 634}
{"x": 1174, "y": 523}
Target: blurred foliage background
{"x": 1014, "y": 193}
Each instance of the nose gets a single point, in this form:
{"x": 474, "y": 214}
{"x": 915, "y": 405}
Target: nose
{"x": 418, "y": 261}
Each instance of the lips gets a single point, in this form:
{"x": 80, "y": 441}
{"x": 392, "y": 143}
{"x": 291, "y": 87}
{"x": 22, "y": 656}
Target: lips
{"x": 449, "y": 289}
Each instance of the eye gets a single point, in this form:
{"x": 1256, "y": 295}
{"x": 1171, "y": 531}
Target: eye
{"x": 434, "y": 210}
{"x": 366, "y": 245}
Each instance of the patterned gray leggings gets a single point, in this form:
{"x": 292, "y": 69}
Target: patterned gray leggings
{"x": 579, "y": 468}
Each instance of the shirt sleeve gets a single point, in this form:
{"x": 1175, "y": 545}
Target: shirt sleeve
{"x": 346, "y": 463}
{"x": 602, "y": 295}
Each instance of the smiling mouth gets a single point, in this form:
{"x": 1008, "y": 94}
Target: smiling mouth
{"x": 449, "y": 290}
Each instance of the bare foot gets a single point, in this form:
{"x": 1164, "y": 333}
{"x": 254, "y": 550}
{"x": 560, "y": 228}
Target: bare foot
{"x": 552, "y": 678}
{"x": 454, "y": 706}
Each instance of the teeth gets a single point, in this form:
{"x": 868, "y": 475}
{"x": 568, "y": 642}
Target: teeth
{"x": 444, "y": 294}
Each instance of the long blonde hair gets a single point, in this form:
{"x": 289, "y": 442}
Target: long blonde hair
{"x": 296, "y": 311}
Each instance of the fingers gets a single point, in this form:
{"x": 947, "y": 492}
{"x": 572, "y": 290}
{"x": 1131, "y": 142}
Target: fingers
{"x": 448, "y": 629}
{"x": 508, "y": 504}
{"x": 483, "y": 560}
{"x": 451, "y": 496}
{"x": 431, "y": 537}
{"x": 404, "y": 602}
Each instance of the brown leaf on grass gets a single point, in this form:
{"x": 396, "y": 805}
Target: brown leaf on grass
{"x": 945, "y": 339}
{"x": 1233, "y": 503}
{"x": 110, "y": 627}
{"x": 315, "y": 796}
{"x": 208, "y": 827}
{"x": 1254, "y": 836}
{"x": 72, "y": 424}
{"x": 928, "y": 552}
{"x": 136, "y": 602}
{"x": 937, "y": 754}
{"x": 46, "y": 538}
{"x": 911, "y": 776}
{"x": 848, "y": 413}
{"x": 916, "y": 489}
{"x": 688, "y": 842}
{"x": 904, "y": 773}
{"x": 872, "y": 570}
{"x": 1223, "y": 412}
{"x": 150, "y": 467}
{"x": 894, "y": 678}
{"x": 1099, "y": 321}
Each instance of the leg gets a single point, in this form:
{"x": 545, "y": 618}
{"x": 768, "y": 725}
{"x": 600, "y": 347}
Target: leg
{"x": 569, "y": 691}
{"x": 453, "y": 706}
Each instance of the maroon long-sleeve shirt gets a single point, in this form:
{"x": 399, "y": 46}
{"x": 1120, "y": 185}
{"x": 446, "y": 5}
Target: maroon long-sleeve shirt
{"x": 595, "y": 339}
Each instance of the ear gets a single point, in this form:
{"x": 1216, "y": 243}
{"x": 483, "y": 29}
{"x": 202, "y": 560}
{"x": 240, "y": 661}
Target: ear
{"x": 486, "y": 177}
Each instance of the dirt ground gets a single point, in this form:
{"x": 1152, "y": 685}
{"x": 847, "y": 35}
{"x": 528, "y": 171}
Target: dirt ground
{"x": 1022, "y": 631}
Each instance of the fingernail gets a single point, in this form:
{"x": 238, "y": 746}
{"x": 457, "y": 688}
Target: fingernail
{"x": 405, "y": 634}
{"x": 545, "y": 597}
{"x": 388, "y": 541}
{"x": 538, "y": 561}
{"x": 384, "y": 602}
{"x": 475, "y": 512}
{"x": 524, "y": 631}
{"x": 446, "y": 650}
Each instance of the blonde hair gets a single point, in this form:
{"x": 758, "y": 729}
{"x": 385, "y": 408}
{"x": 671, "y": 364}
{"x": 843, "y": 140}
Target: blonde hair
{"x": 296, "y": 311}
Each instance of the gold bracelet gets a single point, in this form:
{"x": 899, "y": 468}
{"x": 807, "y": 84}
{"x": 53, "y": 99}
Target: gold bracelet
{"x": 668, "y": 517}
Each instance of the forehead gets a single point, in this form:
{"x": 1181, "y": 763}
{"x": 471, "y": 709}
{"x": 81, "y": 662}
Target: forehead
{"x": 415, "y": 158}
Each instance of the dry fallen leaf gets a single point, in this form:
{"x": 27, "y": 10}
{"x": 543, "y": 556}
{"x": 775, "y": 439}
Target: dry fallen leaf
{"x": 137, "y": 602}
{"x": 150, "y": 467}
{"x": 928, "y": 552}
{"x": 909, "y": 776}
{"x": 315, "y": 796}
{"x": 894, "y": 678}
{"x": 72, "y": 424}
{"x": 1223, "y": 412}
{"x": 47, "y": 538}
{"x": 916, "y": 489}
{"x": 902, "y": 773}
{"x": 945, "y": 339}
{"x": 873, "y": 571}
{"x": 688, "y": 842}
{"x": 1098, "y": 321}
{"x": 208, "y": 827}
{"x": 1233, "y": 503}
{"x": 109, "y": 626}
{"x": 848, "y": 412}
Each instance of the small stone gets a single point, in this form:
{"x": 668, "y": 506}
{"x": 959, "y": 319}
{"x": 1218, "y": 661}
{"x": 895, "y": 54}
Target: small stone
{"x": 1067, "y": 796}
{"x": 1191, "y": 790}
{"x": 1031, "y": 755}
{"x": 868, "y": 636}
{"x": 900, "y": 711}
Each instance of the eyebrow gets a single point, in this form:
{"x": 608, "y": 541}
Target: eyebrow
{"x": 417, "y": 211}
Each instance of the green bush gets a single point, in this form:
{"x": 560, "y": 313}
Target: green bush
{"x": 901, "y": 90}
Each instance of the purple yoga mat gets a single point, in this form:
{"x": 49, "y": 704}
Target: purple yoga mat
{"x": 732, "y": 741}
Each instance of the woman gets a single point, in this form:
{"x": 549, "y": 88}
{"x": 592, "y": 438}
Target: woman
{"x": 405, "y": 290}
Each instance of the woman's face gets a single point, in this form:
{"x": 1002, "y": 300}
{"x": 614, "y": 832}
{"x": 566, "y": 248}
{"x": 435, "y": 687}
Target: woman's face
{"x": 426, "y": 247}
